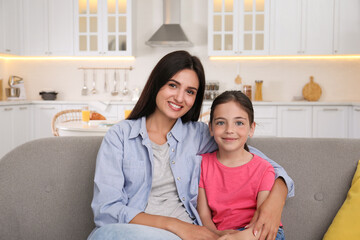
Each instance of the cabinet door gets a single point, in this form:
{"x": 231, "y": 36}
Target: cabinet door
{"x": 12, "y": 19}
{"x": 2, "y": 49}
{"x": 330, "y": 121}
{"x": 318, "y": 27}
{"x": 6, "y": 128}
{"x": 36, "y": 27}
{"x": 355, "y": 122}
{"x": 294, "y": 121}
{"x": 347, "y": 30}
{"x": 22, "y": 124}
{"x": 43, "y": 115}
{"x": 265, "y": 119}
{"x": 61, "y": 27}
{"x": 285, "y": 25}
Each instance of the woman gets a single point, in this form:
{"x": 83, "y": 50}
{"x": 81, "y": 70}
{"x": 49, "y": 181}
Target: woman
{"x": 147, "y": 171}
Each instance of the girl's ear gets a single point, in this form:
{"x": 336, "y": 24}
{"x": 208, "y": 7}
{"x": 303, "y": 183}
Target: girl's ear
{"x": 210, "y": 129}
{"x": 252, "y": 129}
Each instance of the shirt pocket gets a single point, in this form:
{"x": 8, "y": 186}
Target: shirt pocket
{"x": 134, "y": 173}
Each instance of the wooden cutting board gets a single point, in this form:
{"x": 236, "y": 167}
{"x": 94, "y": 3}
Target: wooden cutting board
{"x": 312, "y": 91}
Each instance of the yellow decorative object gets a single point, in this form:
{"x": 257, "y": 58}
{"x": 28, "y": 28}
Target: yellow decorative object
{"x": 346, "y": 224}
{"x": 312, "y": 91}
{"x": 238, "y": 79}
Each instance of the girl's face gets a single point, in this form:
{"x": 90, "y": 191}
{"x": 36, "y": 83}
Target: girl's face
{"x": 231, "y": 127}
{"x": 178, "y": 95}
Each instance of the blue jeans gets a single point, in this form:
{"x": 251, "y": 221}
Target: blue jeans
{"x": 279, "y": 236}
{"x": 120, "y": 231}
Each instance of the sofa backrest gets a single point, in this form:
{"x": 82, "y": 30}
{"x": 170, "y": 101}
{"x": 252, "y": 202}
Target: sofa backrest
{"x": 46, "y": 185}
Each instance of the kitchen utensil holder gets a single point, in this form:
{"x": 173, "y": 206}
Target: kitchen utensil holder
{"x": 105, "y": 69}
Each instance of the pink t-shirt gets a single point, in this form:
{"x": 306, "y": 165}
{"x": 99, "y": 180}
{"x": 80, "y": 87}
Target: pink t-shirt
{"x": 232, "y": 192}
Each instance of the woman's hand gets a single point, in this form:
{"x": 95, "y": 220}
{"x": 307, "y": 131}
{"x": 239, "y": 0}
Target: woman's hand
{"x": 194, "y": 232}
{"x": 268, "y": 216}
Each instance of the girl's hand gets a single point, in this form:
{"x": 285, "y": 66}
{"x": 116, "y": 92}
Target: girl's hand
{"x": 188, "y": 231}
{"x": 225, "y": 232}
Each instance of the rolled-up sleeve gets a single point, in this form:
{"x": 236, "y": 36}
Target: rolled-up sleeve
{"x": 109, "y": 202}
{"x": 279, "y": 171}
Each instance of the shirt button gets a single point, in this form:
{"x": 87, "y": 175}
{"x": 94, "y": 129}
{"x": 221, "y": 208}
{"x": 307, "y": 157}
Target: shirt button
{"x": 173, "y": 162}
{"x": 183, "y": 198}
{"x": 173, "y": 150}
{"x": 178, "y": 178}
{"x": 169, "y": 134}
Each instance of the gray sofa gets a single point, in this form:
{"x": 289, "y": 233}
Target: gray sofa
{"x": 46, "y": 185}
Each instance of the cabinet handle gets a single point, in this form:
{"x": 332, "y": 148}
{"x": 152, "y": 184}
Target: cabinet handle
{"x": 330, "y": 109}
{"x": 357, "y": 109}
{"x": 22, "y": 108}
{"x": 8, "y": 109}
{"x": 47, "y": 108}
{"x": 7, "y": 50}
{"x": 295, "y": 109}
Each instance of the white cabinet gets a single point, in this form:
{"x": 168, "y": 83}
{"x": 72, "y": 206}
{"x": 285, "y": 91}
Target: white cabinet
{"x": 238, "y": 27}
{"x": 265, "y": 119}
{"x": 330, "y": 121}
{"x": 103, "y": 27}
{"x": 294, "y": 121}
{"x": 346, "y": 28}
{"x": 355, "y": 122}
{"x": 2, "y": 47}
{"x": 302, "y": 27}
{"x": 43, "y": 114}
{"x": 11, "y": 20}
{"x": 15, "y": 127}
{"x": 48, "y": 26}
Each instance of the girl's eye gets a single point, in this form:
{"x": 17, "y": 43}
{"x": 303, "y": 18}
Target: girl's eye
{"x": 239, "y": 123}
{"x": 219, "y": 123}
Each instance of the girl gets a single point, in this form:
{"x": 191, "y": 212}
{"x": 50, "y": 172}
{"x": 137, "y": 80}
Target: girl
{"x": 233, "y": 181}
{"x": 147, "y": 171}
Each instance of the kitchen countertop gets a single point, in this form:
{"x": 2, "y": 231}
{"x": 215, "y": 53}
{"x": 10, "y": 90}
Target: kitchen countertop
{"x": 255, "y": 103}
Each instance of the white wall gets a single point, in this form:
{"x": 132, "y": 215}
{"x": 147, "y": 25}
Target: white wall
{"x": 283, "y": 79}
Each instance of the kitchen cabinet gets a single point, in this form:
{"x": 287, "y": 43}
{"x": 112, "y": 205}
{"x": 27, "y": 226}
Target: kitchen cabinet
{"x": 355, "y": 122}
{"x": 330, "y": 121}
{"x": 11, "y": 20}
{"x": 302, "y": 27}
{"x": 265, "y": 119}
{"x": 43, "y": 114}
{"x": 103, "y": 28}
{"x": 48, "y": 27}
{"x": 15, "y": 125}
{"x": 238, "y": 27}
{"x": 294, "y": 121}
{"x": 2, "y": 47}
{"x": 346, "y": 28}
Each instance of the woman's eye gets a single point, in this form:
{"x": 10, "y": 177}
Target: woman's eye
{"x": 172, "y": 85}
{"x": 191, "y": 92}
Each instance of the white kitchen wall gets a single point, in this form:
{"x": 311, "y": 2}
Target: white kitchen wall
{"x": 283, "y": 79}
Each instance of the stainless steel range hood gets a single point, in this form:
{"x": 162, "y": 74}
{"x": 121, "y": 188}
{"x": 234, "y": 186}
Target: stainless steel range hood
{"x": 170, "y": 34}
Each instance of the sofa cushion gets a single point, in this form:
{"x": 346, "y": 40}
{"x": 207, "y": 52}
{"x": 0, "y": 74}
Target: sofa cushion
{"x": 346, "y": 222}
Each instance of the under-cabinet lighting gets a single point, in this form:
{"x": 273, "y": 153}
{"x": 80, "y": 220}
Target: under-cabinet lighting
{"x": 123, "y": 58}
{"x": 283, "y": 57}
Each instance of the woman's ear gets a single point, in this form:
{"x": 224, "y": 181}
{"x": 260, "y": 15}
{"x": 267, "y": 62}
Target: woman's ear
{"x": 210, "y": 129}
{"x": 252, "y": 129}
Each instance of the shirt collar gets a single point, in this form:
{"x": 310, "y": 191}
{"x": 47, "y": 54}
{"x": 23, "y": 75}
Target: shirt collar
{"x": 139, "y": 128}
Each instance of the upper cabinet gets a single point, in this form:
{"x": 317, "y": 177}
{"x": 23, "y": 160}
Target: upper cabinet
{"x": 10, "y": 18}
{"x": 103, "y": 28}
{"x": 301, "y": 27}
{"x": 48, "y": 27}
{"x": 238, "y": 27}
{"x": 346, "y": 27}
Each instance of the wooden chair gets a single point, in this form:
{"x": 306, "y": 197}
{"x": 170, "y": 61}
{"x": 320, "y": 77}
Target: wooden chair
{"x": 71, "y": 115}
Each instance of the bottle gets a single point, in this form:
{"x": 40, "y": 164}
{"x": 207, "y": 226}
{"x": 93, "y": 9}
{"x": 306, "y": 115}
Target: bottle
{"x": 1, "y": 89}
{"x": 258, "y": 90}
{"x": 247, "y": 91}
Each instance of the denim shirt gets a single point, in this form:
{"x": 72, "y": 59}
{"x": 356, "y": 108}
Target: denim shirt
{"x": 123, "y": 174}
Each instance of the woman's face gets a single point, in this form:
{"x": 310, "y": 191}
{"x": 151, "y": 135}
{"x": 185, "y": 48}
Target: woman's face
{"x": 178, "y": 95}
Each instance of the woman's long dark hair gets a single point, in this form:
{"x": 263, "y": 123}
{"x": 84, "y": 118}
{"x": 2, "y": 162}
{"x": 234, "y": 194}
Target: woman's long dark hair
{"x": 164, "y": 70}
{"x": 237, "y": 97}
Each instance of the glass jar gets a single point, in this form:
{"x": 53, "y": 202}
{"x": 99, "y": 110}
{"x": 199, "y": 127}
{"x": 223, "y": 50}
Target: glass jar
{"x": 258, "y": 90}
{"x": 247, "y": 91}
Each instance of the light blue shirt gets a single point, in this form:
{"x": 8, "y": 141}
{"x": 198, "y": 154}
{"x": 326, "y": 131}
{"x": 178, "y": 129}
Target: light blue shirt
{"x": 123, "y": 174}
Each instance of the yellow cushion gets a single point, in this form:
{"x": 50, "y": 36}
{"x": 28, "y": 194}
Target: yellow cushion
{"x": 346, "y": 224}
